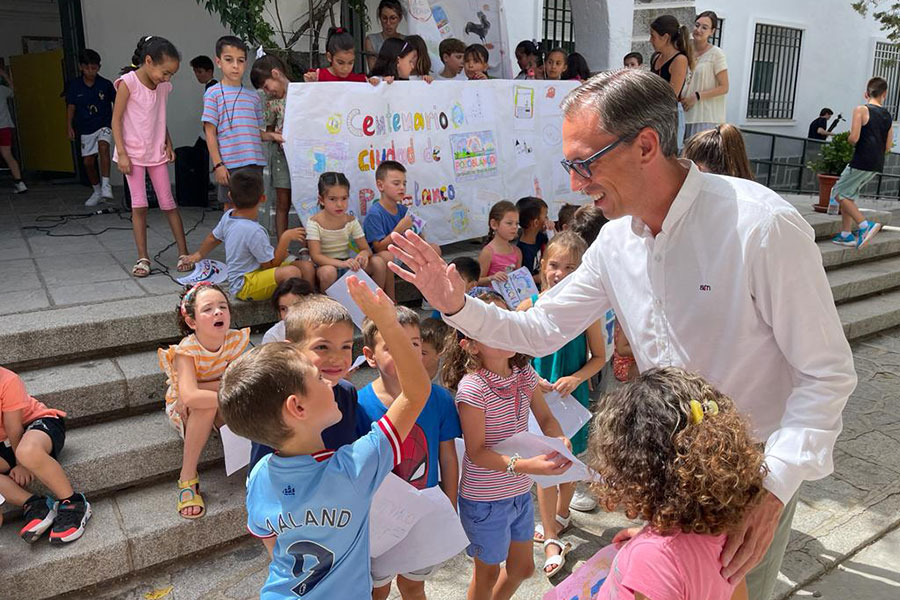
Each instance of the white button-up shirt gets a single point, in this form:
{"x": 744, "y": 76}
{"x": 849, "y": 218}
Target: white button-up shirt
{"x": 732, "y": 288}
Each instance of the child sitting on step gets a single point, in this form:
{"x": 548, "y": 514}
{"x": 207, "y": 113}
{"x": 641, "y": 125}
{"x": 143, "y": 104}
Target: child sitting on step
{"x": 194, "y": 368}
{"x": 31, "y": 438}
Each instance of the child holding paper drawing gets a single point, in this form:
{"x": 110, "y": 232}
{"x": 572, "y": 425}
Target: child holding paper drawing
{"x": 568, "y": 371}
{"x": 495, "y": 389}
{"x": 336, "y": 239}
{"x": 194, "y": 368}
{"x": 500, "y": 255}
{"x": 673, "y": 451}
{"x": 275, "y": 396}
{"x": 430, "y": 443}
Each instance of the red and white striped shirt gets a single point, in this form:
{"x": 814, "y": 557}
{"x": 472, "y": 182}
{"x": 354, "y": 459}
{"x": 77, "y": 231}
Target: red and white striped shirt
{"x": 506, "y": 402}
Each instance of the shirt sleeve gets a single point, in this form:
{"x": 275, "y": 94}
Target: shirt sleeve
{"x": 471, "y": 390}
{"x": 261, "y": 123}
{"x": 260, "y": 246}
{"x": 12, "y": 394}
{"x": 211, "y": 107}
{"x": 111, "y": 90}
{"x": 552, "y": 322}
{"x": 449, "y": 426}
{"x": 219, "y": 230}
{"x": 369, "y": 459}
{"x": 356, "y": 230}
{"x": 374, "y": 225}
{"x": 256, "y": 524}
{"x": 312, "y": 231}
{"x": 719, "y": 63}
{"x": 793, "y": 297}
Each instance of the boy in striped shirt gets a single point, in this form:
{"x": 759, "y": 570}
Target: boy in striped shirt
{"x": 232, "y": 118}
{"x": 311, "y": 505}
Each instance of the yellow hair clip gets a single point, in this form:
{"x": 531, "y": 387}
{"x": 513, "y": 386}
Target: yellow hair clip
{"x": 699, "y": 410}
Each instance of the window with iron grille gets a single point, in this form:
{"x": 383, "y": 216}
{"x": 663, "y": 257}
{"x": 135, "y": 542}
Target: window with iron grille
{"x": 773, "y": 76}
{"x": 558, "y": 28}
{"x": 887, "y": 65}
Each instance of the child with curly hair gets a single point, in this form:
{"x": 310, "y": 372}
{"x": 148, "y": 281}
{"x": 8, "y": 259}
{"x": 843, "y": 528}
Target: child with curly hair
{"x": 194, "y": 368}
{"x": 672, "y": 450}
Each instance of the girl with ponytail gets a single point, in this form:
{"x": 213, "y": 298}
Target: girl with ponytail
{"x": 142, "y": 141}
{"x": 340, "y": 51}
{"x": 673, "y": 59}
{"x": 673, "y": 451}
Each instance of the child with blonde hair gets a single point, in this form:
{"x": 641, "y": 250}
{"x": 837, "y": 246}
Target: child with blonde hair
{"x": 495, "y": 391}
{"x": 566, "y": 371}
{"x": 500, "y": 255}
{"x": 672, "y": 450}
{"x": 194, "y": 367}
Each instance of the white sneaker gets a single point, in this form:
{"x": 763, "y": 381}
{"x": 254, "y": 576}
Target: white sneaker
{"x": 106, "y": 192}
{"x": 20, "y": 188}
{"x": 94, "y": 200}
{"x": 582, "y": 501}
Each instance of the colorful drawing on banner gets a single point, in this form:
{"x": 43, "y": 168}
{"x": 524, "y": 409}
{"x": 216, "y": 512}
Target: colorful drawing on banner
{"x": 525, "y": 156}
{"x": 474, "y": 155}
{"x": 524, "y": 100}
{"x": 442, "y": 21}
{"x": 306, "y": 207}
{"x": 311, "y": 158}
{"x": 459, "y": 218}
{"x": 419, "y": 10}
{"x": 585, "y": 581}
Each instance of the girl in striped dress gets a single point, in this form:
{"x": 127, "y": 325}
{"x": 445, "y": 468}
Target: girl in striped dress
{"x": 194, "y": 368}
{"x": 495, "y": 390}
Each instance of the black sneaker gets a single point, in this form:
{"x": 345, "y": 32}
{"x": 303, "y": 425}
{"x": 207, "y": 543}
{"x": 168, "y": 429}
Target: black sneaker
{"x": 39, "y": 514}
{"x": 71, "y": 517}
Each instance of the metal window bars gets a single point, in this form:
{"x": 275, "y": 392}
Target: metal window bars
{"x": 775, "y": 67}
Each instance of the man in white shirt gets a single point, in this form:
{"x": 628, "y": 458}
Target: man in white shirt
{"x": 718, "y": 275}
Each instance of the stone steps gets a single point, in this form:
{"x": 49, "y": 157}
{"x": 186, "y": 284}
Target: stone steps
{"x": 130, "y": 531}
{"x": 885, "y": 244}
{"x": 861, "y": 280}
{"x": 870, "y": 315}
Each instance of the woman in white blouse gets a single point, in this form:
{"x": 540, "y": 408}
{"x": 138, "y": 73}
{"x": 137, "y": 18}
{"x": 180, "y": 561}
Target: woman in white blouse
{"x": 704, "y": 102}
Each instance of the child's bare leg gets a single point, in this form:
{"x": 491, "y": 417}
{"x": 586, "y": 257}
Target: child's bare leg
{"x": 33, "y": 453}
{"x": 90, "y": 167}
{"x": 377, "y": 268}
{"x": 282, "y": 208}
{"x": 11, "y": 162}
{"x": 381, "y": 593}
{"x": 287, "y": 271}
{"x": 326, "y": 275}
{"x": 409, "y": 589}
{"x": 566, "y": 492}
{"x": 547, "y": 502}
{"x": 389, "y": 286}
{"x": 103, "y": 151}
{"x": 197, "y": 427}
{"x": 177, "y": 227}
{"x": 484, "y": 578}
{"x": 307, "y": 271}
{"x": 519, "y": 567}
{"x": 850, "y": 214}
{"x": 11, "y": 490}
{"x": 139, "y": 228}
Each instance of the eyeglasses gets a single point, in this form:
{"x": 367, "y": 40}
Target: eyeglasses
{"x": 583, "y": 166}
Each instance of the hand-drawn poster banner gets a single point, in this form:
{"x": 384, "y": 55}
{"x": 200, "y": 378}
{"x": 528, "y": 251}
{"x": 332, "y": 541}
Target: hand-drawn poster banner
{"x": 472, "y": 21}
{"x": 465, "y": 145}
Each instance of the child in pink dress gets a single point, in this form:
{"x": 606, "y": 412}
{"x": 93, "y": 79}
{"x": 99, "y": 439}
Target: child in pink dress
{"x": 142, "y": 142}
{"x": 500, "y": 255}
{"x": 672, "y": 450}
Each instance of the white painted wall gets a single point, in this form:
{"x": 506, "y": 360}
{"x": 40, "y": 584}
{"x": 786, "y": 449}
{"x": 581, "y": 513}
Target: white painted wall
{"x": 602, "y": 31}
{"x": 837, "y": 55}
{"x": 26, "y": 18}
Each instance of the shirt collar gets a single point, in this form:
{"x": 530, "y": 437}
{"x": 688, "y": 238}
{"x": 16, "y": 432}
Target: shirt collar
{"x": 689, "y": 191}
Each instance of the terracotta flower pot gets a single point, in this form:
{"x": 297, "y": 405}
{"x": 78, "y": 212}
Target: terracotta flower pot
{"x": 826, "y": 182}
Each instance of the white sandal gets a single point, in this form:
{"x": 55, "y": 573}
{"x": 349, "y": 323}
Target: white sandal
{"x": 564, "y": 522}
{"x": 558, "y": 561}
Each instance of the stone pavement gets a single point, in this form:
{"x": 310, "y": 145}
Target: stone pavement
{"x": 845, "y": 540}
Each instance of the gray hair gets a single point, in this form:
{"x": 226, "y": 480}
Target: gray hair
{"x": 626, "y": 101}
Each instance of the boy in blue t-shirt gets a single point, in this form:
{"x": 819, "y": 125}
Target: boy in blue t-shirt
{"x": 254, "y": 268}
{"x": 89, "y": 106}
{"x": 322, "y": 329}
{"x": 429, "y": 444}
{"x": 310, "y": 505}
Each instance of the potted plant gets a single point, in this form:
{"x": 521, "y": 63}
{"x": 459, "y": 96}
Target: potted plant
{"x": 833, "y": 157}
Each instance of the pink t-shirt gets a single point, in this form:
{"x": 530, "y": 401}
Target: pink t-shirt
{"x": 681, "y": 566}
{"x": 13, "y": 397}
{"x": 144, "y": 121}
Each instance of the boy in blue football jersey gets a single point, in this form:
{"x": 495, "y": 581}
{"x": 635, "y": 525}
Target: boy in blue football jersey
{"x": 429, "y": 446}
{"x": 310, "y": 504}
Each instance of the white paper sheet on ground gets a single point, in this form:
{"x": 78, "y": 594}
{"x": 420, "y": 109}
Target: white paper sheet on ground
{"x": 237, "y": 450}
{"x": 568, "y": 411}
{"x": 527, "y": 444}
{"x": 518, "y": 286}
{"x": 396, "y": 507}
{"x": 434, "y": 539}
{"x": 340, "y": 292}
